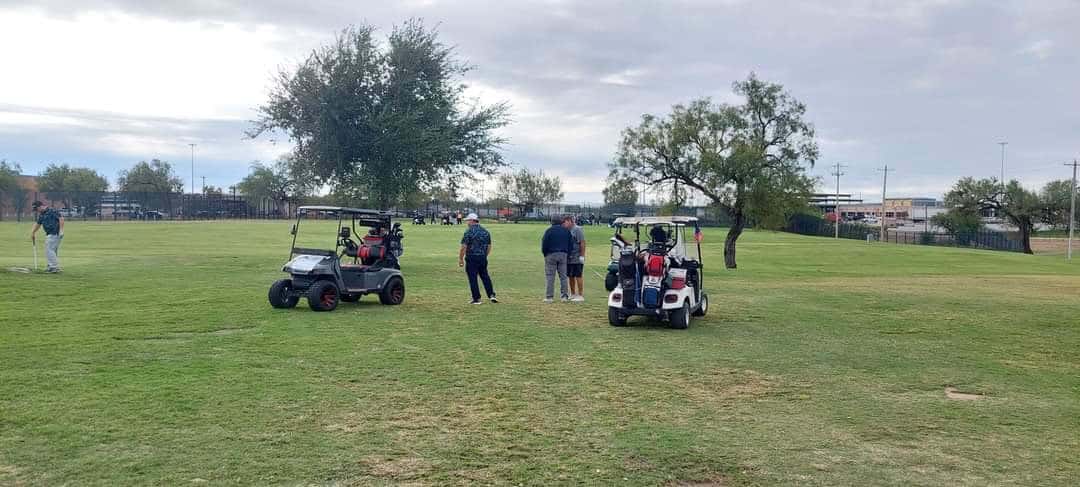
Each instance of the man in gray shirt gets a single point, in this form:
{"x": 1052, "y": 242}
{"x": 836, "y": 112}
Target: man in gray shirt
{"x": 575, "y": 266}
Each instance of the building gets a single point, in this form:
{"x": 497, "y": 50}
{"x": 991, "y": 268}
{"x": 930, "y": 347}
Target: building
{"x": 897, "y": 211}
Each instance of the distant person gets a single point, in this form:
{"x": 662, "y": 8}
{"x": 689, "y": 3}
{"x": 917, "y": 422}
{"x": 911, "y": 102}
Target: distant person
{"x": 556, "y": 246}
{"x": 459, "y": 218}
{"x": 53, "y": 223}
{"x": 575, "y": 266}
{"x": 473, "y": 256}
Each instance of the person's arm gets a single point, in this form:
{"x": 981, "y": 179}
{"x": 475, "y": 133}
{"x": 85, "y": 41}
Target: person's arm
{"x": 33, "y": 233}
{"x": 61, "y": 226}
{"x": 461, "y": 256}
{"x": 489, "y": 248}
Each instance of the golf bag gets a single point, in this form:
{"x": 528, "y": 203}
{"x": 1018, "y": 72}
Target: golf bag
{"x": 652, "y": 292}
{"x": 628, "y": 277}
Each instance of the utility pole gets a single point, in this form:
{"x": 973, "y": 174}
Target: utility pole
{"x": 836, "y": 210}
{"x": 1003, "y": 144}
{"x": 192, "y": 168}
{"x": 1072, "y": 209}
{"x": 203, "y": 184}
{"x": 884, "y": 181}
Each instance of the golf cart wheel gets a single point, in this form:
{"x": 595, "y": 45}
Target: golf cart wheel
{"x": 703, "y": 306}
{"x": 680, "y": 318}
{"x": 323, "y": 296}
{"x": 281, "y": 294}
{"x": 394, "y": 291}
{"x": 611, "y": 280}
{"x": 615, "y": 317}
{"x": 350, "y": 298}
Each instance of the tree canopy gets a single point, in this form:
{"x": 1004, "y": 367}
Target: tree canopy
{"x": 385, "y": 119}
{"x": 620, "y": 192}
{"x": 749, "y": 160}
{"x": 9, "y": 186}
{"x": 78, "y": 186}
{"x": 528, "y": 190}
{"x": 1020, "y": 207}
{"x": 156, "y": 176}
{"x": 277, "y": 182}
{"x": 1056, "y": 195}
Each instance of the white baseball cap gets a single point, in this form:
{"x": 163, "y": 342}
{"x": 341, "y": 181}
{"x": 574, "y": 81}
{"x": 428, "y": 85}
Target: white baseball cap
{"x": 473, "y": 217}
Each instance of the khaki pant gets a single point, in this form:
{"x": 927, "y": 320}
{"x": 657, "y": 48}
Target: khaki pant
{"x": 555, "y": 263}
{"x": 52, "y": 252}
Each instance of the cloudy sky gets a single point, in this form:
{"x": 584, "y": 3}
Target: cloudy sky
{"x": 928, "y": 87}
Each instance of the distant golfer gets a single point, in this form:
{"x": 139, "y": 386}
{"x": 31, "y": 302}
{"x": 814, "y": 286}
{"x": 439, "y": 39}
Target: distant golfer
{"x": 53, "y": 223}
{"x": 575, "y": 266}
{"x": 556, "y": 246}
{"x": 475, "y": 248}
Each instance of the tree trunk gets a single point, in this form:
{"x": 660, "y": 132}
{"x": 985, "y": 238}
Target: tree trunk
{"x": 1025, "y": 238}
{"x": 737, "y": 225}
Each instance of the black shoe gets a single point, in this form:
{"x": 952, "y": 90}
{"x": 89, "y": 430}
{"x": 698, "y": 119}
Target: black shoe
{"x": 493, "y": 299}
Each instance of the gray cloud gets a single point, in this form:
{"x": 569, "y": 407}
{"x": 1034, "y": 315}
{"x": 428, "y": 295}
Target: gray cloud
{"x": 927, "y": 87}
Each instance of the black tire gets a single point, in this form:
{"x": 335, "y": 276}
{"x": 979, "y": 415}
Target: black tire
{"x": 680, "y": 318}
{"x": 611, "y": 280}
{"x": 616, "y": 317}
{"x": 323, "y": 296}
{"x": 350, "y": 298}
{"x": 393, "y": 293}
{"x": 703, "y": 305}
{"x": 281, "y": 294}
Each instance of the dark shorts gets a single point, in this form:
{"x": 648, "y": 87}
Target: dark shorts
{"x": 574, "y": 270}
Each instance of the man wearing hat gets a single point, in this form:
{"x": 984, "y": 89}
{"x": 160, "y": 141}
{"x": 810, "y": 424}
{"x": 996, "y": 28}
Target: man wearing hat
{"x": 53, "y": 223}
{"x": 475, "y": 247}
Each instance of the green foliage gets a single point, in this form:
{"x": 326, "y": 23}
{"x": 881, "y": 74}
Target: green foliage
{"x": 527, "y": 190}
{"x": 749, "y": 160}
{"x": 9, "y": 185}
{"x": 1020, "y": 207}
{"x": 958, "y": 221}
{"x": 282, "y": 182}
{"x": 621, "y": 191}
{"x": 156, "y": 176}
{"x": 382, "y": 121}
{"x": 1056, "y": 196}
{"x": 74, "y": 186}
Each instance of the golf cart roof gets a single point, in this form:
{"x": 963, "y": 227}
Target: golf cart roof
{"x": 654, "y": 220}
{"x": 353, "y": 211}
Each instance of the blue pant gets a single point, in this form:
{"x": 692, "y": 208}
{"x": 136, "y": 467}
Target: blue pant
{"x": 477, "y": 266}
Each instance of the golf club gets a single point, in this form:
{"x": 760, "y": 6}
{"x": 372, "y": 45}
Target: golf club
{"x": 35, "y": 255}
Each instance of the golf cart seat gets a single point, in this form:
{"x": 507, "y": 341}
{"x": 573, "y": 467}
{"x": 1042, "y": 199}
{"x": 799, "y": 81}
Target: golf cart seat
{"x": 372, "y": 250}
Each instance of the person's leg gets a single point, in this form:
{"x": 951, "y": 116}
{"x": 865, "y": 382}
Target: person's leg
{"x": 486, "y": 278}
{"x": 580, "y": 286}
{"x": 472, "y": 271}
{"x": 573, "y": 282}
{"x": 52, "y": 246}
{"x": 562, "y": 275}
{"x": 550, "y": 267}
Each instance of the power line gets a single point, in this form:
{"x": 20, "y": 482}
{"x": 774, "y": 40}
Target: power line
{"x": 884, "y": 181}
{"x": 837, "y": 171}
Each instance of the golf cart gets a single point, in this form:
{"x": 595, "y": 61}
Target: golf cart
{"x": 660, "y": 279}
{"x": 351, "y": 269}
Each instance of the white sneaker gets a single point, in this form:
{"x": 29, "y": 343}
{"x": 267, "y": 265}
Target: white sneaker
{"x": 565, "y": 299}
{"x": 577, "y": 298}
{"x": 549, "y": 300}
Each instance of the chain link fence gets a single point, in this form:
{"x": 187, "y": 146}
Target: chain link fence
{"x": 984, "y": 239}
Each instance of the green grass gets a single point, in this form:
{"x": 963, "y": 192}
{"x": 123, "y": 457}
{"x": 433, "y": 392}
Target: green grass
{"x": 155, "y": 359}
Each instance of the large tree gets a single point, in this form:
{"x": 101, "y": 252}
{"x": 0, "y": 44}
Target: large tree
{"x": 73, "y": 186}
{"x": 1020, "y": 207}
{"x": 151, "y": 183}
{"x": 527, "y": 190}
{"x": 749, "y": 160}
{"x": 385, "y": 118}
{"x": 1056, "y": 195}
{"x": 620, "y": 192}
{"x": 278, "y": 182}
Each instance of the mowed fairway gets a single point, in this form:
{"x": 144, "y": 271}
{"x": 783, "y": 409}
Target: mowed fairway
{"x": 156, "y": 359}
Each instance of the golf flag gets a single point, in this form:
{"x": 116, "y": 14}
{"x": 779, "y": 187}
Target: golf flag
{"x": 697, "y": 234}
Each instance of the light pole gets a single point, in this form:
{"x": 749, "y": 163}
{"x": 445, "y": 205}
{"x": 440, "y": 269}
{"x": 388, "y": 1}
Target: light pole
{"x": 1003, "y": 144}
{"x": 192, "y": 168}
{"x": 1072, "y": 208}
{"x": 836, "y": 209}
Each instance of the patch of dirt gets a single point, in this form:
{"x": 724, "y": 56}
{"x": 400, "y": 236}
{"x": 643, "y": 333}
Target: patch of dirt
{"x": 954, "y": 394}
{"x": 712, "y": 482}
{"x": 396, "y": 468}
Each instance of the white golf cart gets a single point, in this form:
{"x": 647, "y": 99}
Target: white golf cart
{"x": 660, "y": 279}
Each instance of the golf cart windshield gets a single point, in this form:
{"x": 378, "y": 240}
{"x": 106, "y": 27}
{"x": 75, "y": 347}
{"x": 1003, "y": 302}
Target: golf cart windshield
{"x": 666, "y": 234}
{"x": 318, "y": 230}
